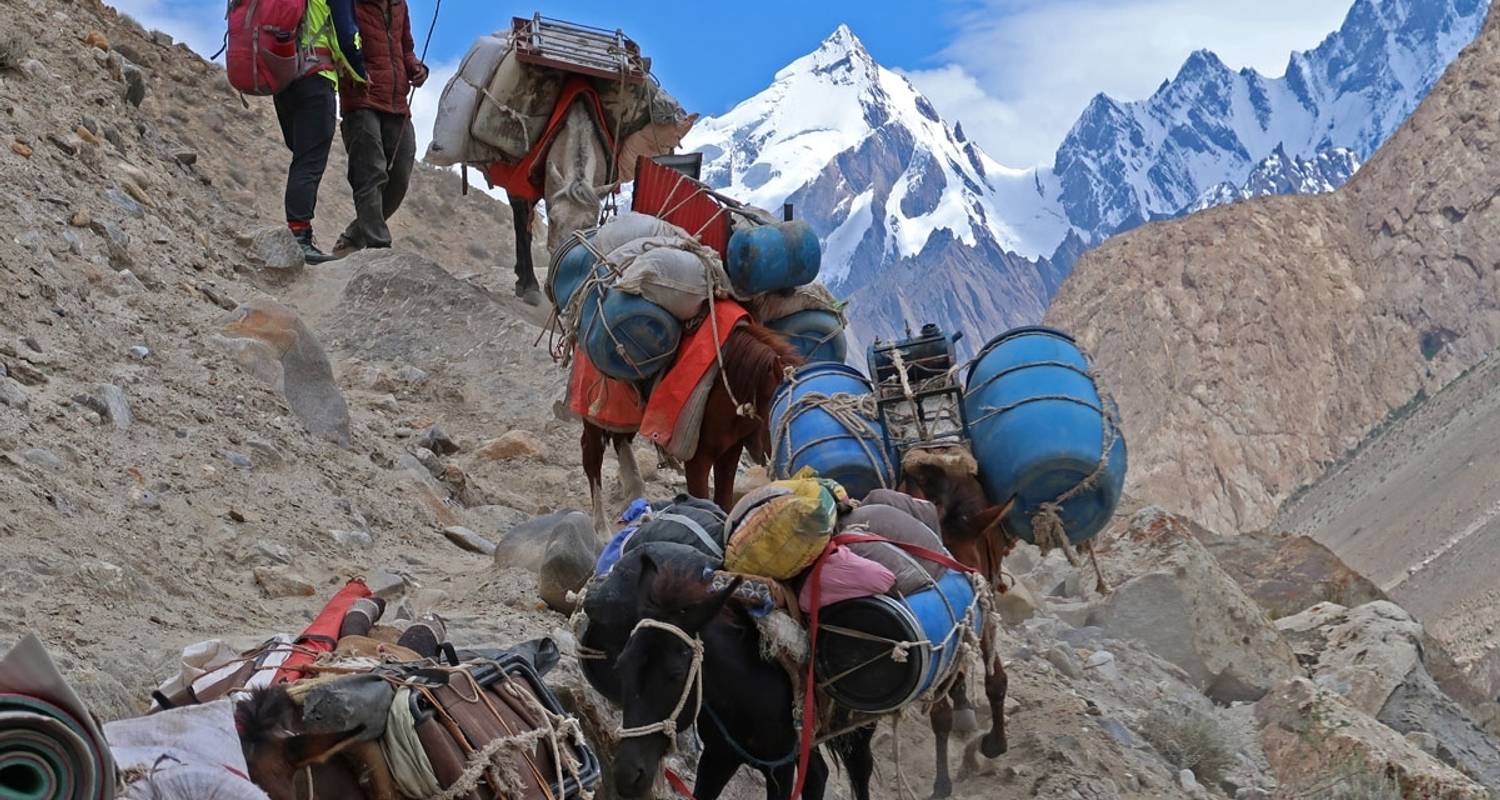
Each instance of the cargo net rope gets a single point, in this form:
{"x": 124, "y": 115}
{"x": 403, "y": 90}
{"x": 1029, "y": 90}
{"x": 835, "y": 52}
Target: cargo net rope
{"x": 1046, "y": 524}
{"x": 568, "y": 320}
{"x": 978, "y": 624}
{"x": 853, "y": 413}
{"x": 494, "y": 762}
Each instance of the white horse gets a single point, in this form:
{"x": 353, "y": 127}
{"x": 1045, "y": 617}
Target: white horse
{"x": 576, "y": 181}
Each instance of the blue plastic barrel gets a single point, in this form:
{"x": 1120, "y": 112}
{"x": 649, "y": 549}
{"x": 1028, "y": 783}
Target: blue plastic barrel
{"x": 627, "y": 336}
{"x": 818, "y": 335}
{"x": 804, "y": 434}
{"x": 570, "y": 268}
{"x": 766, "y": 258}
{"x": 859, "y": 670}
{"x": 1039, "y": 425}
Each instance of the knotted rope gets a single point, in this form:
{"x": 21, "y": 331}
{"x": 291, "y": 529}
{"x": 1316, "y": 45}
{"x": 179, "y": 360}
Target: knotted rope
{"x": 853, "y": 413}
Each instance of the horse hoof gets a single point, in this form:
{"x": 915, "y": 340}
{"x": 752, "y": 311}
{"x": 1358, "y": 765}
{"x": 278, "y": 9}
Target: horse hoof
{"x": 993, "y": 746}
{"x": 942, "y": 790}
{"x": 965, "y": 720}
{"x": 531, "y": 297}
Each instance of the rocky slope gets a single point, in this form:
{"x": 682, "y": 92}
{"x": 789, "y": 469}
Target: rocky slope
{"x": 1251, "y": 345}
{"x": 160, "y": 484}
{"x": 1414, "y": 508}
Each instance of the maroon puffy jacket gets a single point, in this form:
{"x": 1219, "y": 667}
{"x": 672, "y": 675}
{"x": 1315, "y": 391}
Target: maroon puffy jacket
{"x": 390, "y": 60}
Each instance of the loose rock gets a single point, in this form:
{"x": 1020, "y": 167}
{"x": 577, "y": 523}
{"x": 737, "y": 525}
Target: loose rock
{"x": 281, "y": 582}
{"x": 42, "y": 457}
{"x": 512, "y": 445}
{"x": 275, "y": 247}
{"x": 135, "y": 84}
{"x": 437, "y": 440}
{"x": 469, "y": 540}
{"x": 13, "y": 394}
{"x": 22, "y": 150}
{"x": 358, "y": 539}
{"x": 97, "y": 40}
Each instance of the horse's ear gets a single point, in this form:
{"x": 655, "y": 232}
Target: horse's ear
{"x": 991, "y": 521}
{"x": 704, "y": 612}
{"x": 650, "y": 570}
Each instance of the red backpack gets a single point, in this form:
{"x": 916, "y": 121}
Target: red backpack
{"x": 264, "y": 52}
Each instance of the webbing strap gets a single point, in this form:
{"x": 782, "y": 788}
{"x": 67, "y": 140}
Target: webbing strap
{"x": 698, "y": 530}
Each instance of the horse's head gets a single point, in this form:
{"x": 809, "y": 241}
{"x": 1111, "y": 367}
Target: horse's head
{"x": 275, "y": 751}
{"x": 756, "y": 360}
{"x": 964, "y": 511}
{"x": 660, "y": 668}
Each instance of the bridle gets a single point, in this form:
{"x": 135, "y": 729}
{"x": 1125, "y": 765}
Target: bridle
{"x": 693, "y": 683}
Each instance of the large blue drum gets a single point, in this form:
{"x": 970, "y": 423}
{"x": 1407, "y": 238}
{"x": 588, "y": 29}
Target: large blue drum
{"x": 627, "y": 336}
{"x": 766, "y": 258}
{"x": 1041, "y": 427}
{"x": 837, "y": 441}
{"x": 818, "y": 335}
{"x": 855, "y": 644}
{"x": 570, "y": 268}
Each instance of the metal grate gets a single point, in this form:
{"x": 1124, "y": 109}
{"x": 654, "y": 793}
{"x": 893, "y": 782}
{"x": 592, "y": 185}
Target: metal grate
{"x": 582, "y": 49}
{"x": 917, "y": 391}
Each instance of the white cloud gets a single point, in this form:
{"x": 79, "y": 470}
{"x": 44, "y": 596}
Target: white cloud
{"x": 1020, "y": 71}
{"x": 200, "y": 25}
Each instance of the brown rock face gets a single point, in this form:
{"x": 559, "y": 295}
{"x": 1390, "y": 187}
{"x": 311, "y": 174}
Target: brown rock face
{"x": 1251, "y": 345}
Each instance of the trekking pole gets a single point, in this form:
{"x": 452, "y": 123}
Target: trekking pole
{"x": 432, "y": 26}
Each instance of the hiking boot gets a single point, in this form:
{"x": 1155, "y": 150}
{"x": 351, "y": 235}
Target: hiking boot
{"x": 345, "y": 246}
{"x": 310, "y": 252}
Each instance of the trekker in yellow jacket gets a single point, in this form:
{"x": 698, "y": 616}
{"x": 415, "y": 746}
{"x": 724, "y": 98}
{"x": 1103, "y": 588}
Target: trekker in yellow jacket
{"x": 308, "y": 111}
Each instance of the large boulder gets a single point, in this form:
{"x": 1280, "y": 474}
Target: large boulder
{"x": 1372, "y": 655}
{"x": 561, "y": 548}
{"x": 1173, "y": 597}
{"x": 1286, "y": 574}
{"x": 1320, "y": 745}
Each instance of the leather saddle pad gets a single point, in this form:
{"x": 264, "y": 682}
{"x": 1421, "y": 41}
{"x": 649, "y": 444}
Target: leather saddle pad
{"x": 474, "y": 708}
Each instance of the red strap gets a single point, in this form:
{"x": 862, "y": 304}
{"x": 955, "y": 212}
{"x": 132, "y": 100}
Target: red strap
{"x": 915, "y": 549}
{"x": 678, "y": 784}
{"x": 518, "y": 179}
{"x": 322, "y": 634}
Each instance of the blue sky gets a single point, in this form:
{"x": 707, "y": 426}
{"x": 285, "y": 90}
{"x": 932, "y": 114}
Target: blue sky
{"x": 1015, "y": 72}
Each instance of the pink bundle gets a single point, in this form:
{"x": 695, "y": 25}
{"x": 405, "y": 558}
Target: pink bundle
{"x": 845, "y": 576}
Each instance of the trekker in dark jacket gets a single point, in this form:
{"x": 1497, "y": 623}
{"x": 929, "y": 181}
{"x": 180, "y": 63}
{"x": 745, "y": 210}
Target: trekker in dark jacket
{"x": 377, "y": 128}
{"x": 307, "y": 112}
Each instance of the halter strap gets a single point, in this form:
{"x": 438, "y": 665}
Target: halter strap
{"x": 694, "y": 682}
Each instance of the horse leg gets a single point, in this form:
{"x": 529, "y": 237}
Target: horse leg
{"x": 781, "y": 780}
{"x": 942, "y": 726}
{"x": 630, "y": 472}
{"x": 964, "y": 719}
{"x": 716, "y": 766}
{"x": 726, "y": 468}
{"x": 697, "y": 474}
{"x": 993, "y": 745}
{"x": 859, "y": 760}
{"x": 526, "y": 285}
{"x": 593, "y": 467}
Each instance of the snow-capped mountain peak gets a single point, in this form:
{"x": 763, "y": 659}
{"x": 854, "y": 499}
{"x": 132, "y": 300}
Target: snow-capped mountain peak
{"x": 868, "y": 162}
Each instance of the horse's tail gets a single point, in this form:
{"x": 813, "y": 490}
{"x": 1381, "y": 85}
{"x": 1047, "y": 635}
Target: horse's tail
{"x": 262, "y": 714}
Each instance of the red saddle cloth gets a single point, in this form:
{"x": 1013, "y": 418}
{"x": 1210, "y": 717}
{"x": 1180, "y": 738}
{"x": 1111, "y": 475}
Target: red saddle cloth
{"x": 524, "y": 179}
{"x": 611, "y": 404}
{"x": 695, "y": 357}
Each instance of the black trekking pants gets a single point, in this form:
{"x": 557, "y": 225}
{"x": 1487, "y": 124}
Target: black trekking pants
{"x": 382, "y": 151}
{"x": 308, "y": 112}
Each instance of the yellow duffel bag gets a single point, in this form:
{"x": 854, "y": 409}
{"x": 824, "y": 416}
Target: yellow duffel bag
{"x": 779, "y": 530}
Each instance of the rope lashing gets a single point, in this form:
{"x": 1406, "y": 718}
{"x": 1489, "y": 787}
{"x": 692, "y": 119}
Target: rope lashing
{"x": 692, "y": 686}
{"x": 853, "y": 413}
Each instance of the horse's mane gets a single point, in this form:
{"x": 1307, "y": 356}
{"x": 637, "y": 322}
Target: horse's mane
{"x": 751, "y": 353}
{"x": 262, "y": 714}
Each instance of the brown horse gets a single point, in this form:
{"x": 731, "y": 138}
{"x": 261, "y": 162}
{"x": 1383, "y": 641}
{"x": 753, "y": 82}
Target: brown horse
{"x": 755, "y": 359}
{"x": 971, "y": 530}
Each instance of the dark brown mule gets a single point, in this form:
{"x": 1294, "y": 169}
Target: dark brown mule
{"x": 283, "y": 761}
{"x": 971, "y": 531}
{"x": 755, "y": 359}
